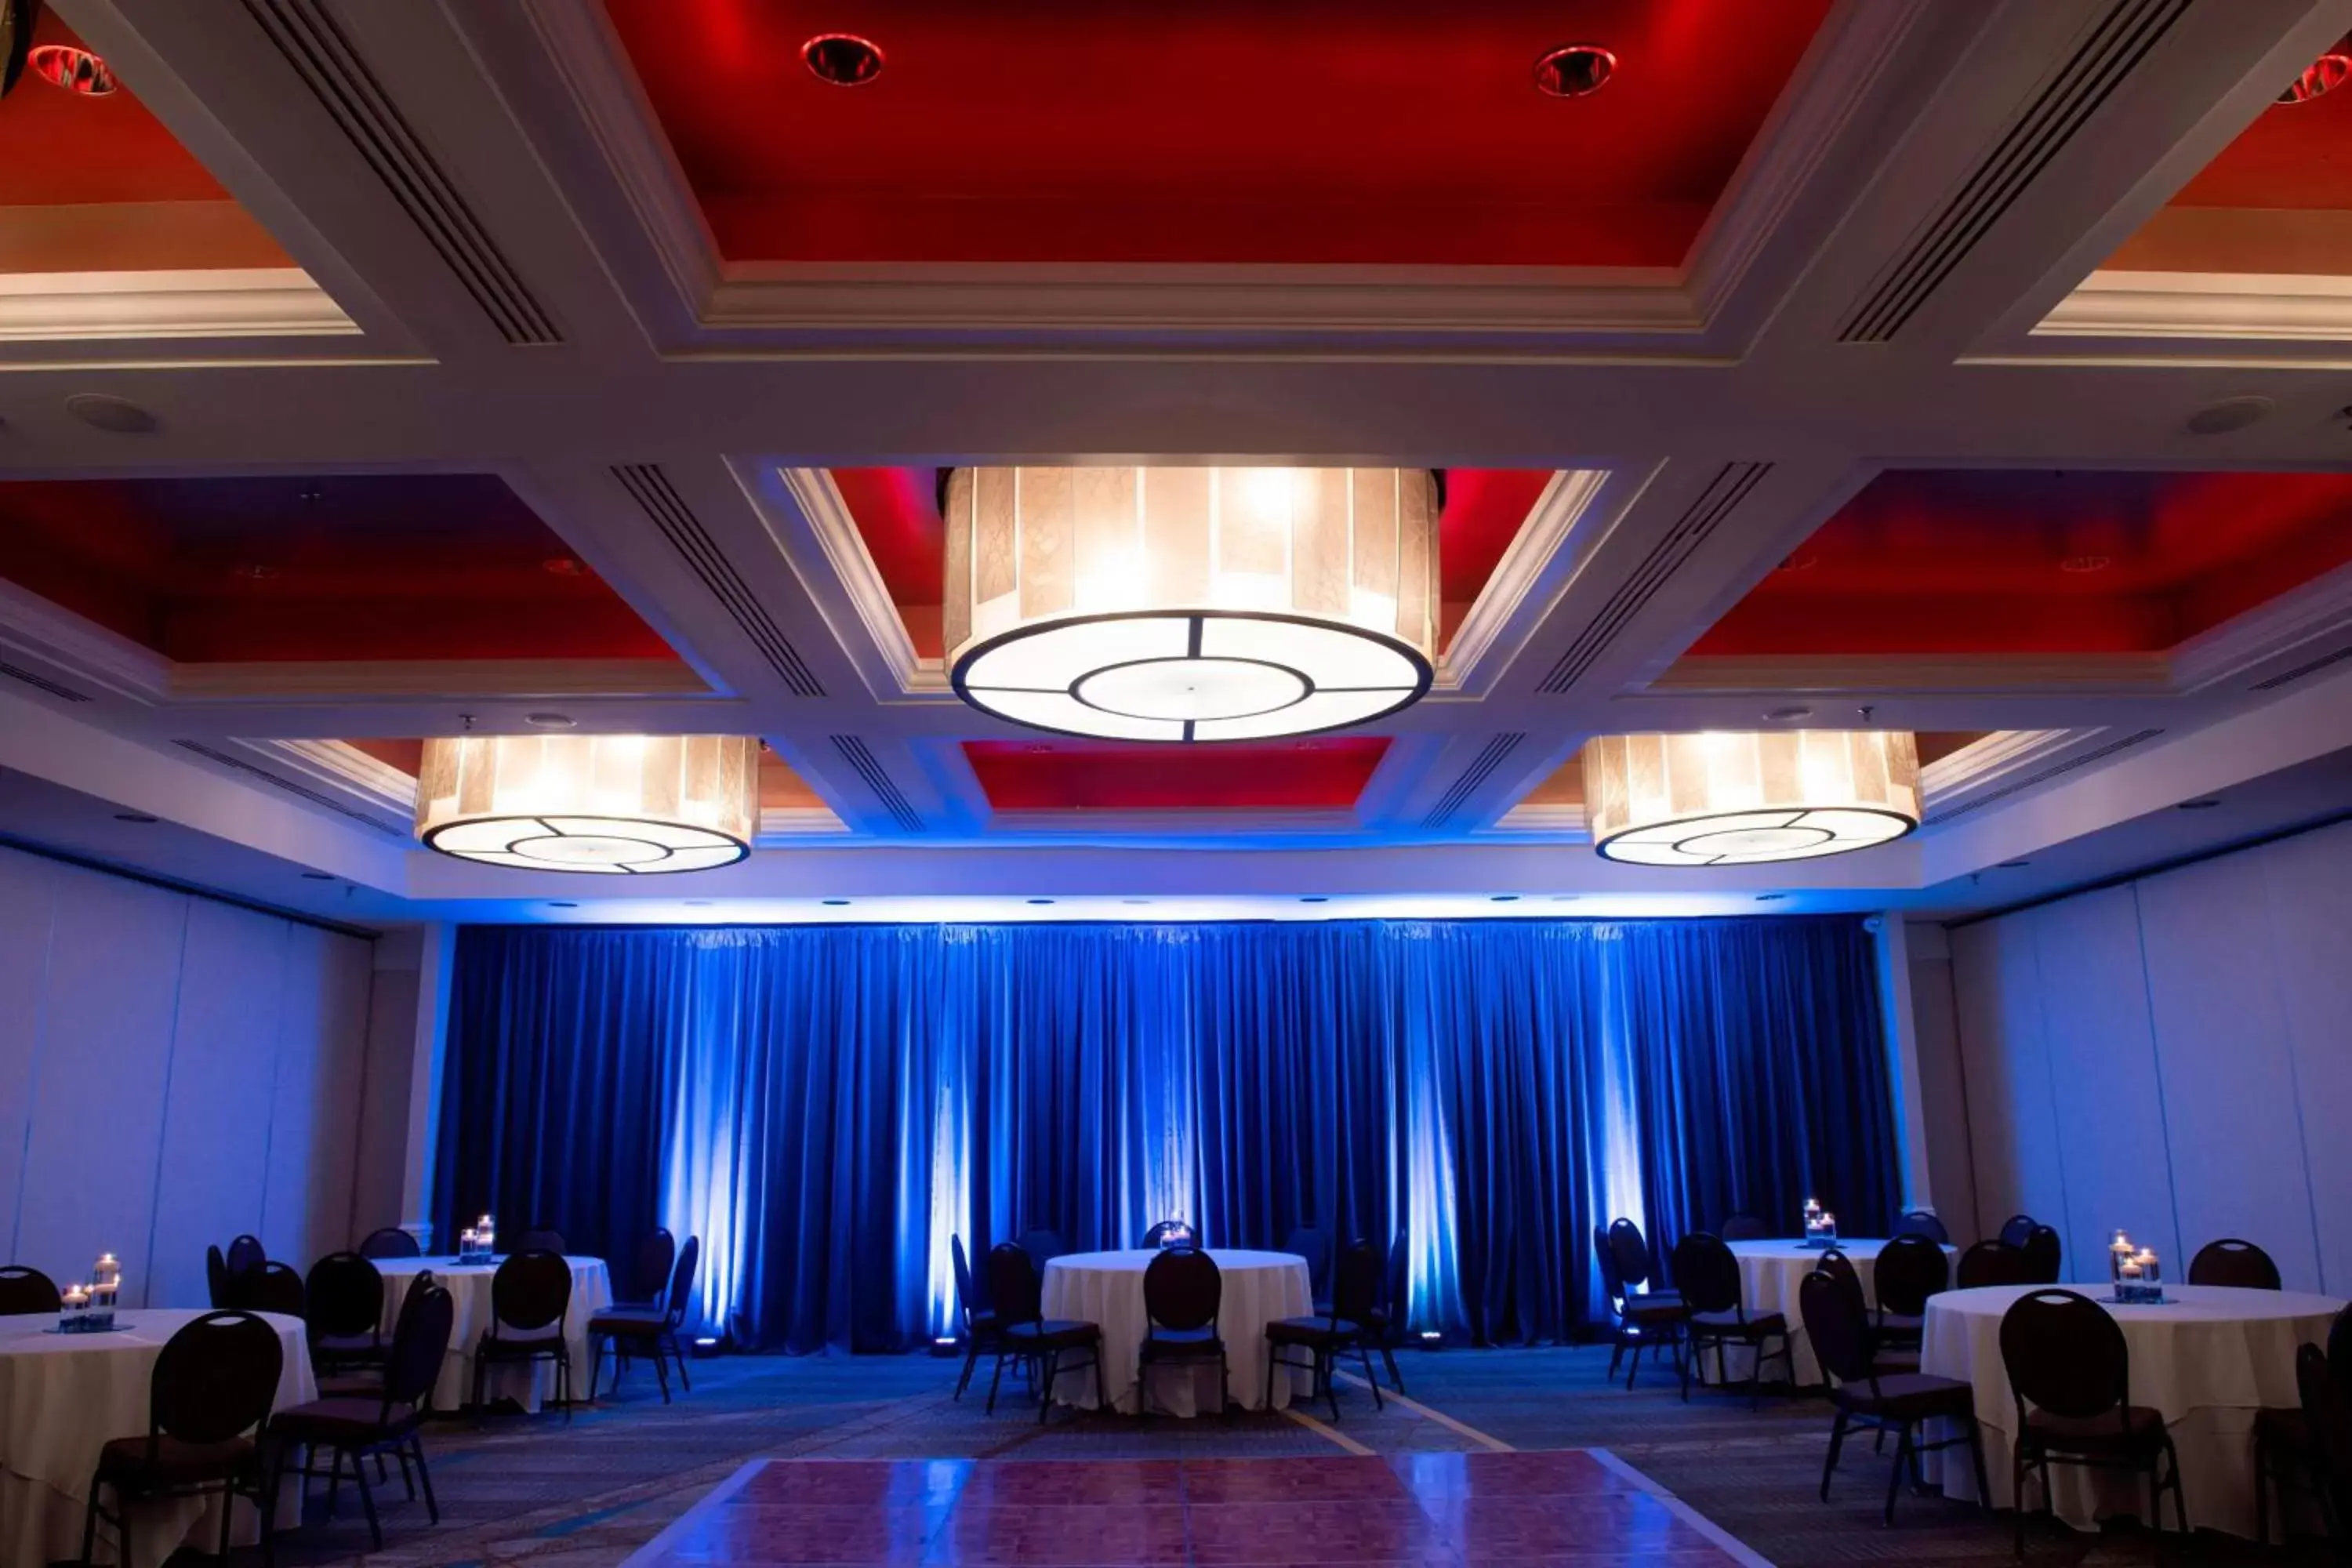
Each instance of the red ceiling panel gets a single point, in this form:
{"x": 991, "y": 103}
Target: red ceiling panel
{"x": 2278, "y": 199}
{"x": 1217, "y": 130}
{"x": 115, "y": 189}
{"x": 898, "y": 516}
{"x": 1327, "y": 772}
{"x": 1968, "y": 561}
{"x": 407, "y": 567}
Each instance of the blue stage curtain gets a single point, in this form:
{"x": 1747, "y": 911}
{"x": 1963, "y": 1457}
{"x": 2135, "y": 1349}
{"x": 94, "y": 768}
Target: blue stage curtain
{"x": 826, "y": 1106}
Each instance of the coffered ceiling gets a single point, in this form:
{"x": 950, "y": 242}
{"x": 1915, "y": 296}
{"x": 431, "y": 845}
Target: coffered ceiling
{"x": 367, "y": 374}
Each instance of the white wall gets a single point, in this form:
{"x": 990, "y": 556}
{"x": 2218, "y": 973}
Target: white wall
{"x": 173, "y": 1072}
{"x": 2172, "y": 1055}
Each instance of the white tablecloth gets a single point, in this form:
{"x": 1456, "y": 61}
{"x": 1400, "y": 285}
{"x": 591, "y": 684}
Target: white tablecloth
{"x": 1107, "y": 1288}
{"x": 1770, "y": 1275}
{"x": 64, "y": 1396}
{"x": 2207, "y": 1361}
{"x": 469, "y": 1294}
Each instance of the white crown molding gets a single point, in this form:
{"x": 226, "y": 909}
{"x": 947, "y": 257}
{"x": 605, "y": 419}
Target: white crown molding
{"x": 1187, "y": 826}
{"x": 516, "y": 680}
{"x": 778, "y": 822}
{"x": 2285, "y": 626}
{"x": 1556, "y": 823}
{"x": 257, "y": 302}
{"x": 343, "y": 770}
{"x": 2272, "y": 307}
{"x": 1991, "y": 674}
{"x": 849, "y": 588}
{"x": 82, "y": 652}
{"x": 1953, "y": 780}
{"x": 1524, "y": 584}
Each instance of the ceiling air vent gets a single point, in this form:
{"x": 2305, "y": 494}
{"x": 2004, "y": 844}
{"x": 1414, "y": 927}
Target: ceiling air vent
{"x": 651, "y": 490}
{"x": 2285, "y": 676}
{"x": 2018, "y": 786}
{"x": 860, "y": 756}
{"x": 1482, "y": 767}
{"x": 2107, "y": 54}
{"x": 316, "y": 797}
{"x": 322, "y": 55}
{"x": 1725, "y": 492}
{"x": 42, "y": 683}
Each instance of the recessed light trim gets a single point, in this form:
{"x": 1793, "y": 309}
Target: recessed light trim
{"x": 549, "y": 721}
{"x": 140, "y": 818}
{"x": 2205, "y": 805}
{"x": 561, "y": 904}
{"x": 1502, "y": 897}
{"x": 843, "y": 59}
{"x": 2013, "y": 864}
{"x": 1770, "y": 898}
{"x": 2322, "y": 75}
{"x": 2083, "y": 565}
{"x": 78, "y": 71}
{"x": 1574, "y": 70}
{"x": 317, "y": 875}
{"x": 116, "y": 415}
{"x": 2231, "y": 413}
{"x": 1041, "y": 901}
{"x": 835, "y": 903}
{"x": 1314, "y": 897}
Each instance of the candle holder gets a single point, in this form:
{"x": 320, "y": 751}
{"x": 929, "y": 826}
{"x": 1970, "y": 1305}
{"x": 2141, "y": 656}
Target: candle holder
{"x": 478, "y": 1242}
{"x": 1821, "y": 1229}
{"x": 79, "y": 1311}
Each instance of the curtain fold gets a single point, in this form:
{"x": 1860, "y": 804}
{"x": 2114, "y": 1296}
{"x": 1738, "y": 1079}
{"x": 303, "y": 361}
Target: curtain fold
{"x": 826, "y": 1106}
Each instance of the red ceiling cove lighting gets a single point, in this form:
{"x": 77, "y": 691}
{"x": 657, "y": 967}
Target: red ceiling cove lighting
{"x": 76, "y": 70}
{"x": 843, "y": 59}
{"x": 1575, "y": 70}
{"x": 2323, "y": 76}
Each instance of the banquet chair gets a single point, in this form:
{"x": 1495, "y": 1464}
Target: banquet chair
{"x": 2321, "y": 1379}
{"x": 2288, "y": 1455}
{"x": 1993, "y": 1263}
{"x": 1168, "y": 1233}
{"x": 215, "y": 1278}
{"x": 1383, "y": 1323}
{"x": 528, "y": 1296}
{"x": 213, "y": 1383}
{"x": 1308, "y": 1242}
{"x": 1709, "y": 1274}
{"x": 1355, "y": 1289}
{"x": 246, "y": 1253}
{"x": 2016, "y": 1228}
{"x": 1923, "y": 1222}
{"x": 542, "y": 1240}
{"x": 1909, "y": 1269}
{"x": 649, "y": 1276}
{"x": 979, "y": 1324}
{"x": 1745, "y": 1228}
{"x": 1635, "y": 1265}
{"x": 273, "y": 1287}
{"x": 1026, "y": 1333}
{"x": 1867, "y": 1396}
{"x": 2233, "y": 1262}
{"x": 384, "y": 1421}
{"x": 344, "y": 1296}
{"x": 2070, "y": 1375}
{"x": 28, "y": 1291}
{"x": 1837, "y": 1268}
{"x": 1043, "y": 1243}
{"x": 391, "y": 1241}
{"x": 2041, "y": 1256}
{"x": 650, "y": 1329}
{"x": 1182, "y": 1292}
{"x": 1643, "y": 1319}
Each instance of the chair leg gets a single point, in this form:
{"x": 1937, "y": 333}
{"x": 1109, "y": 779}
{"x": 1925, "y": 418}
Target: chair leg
{"x": 2180, "y": 1495}
{"x": 1273, "y": 1359}
{"x": 2262, "y": 1490}
{"x": 1975, "y": 1457}
{"x": 425, "y": 1479}
{"x": 334, "y": 1481}
{"x": 661, "y": 1370}
{"x": 1365, "y": 1356}
{"x": 228, "y": 1515}
{"x": 367, "y": 1502}
{"x": 994, "y": 1378}
{"x": 2017, "y": 1492}
{"x": 1616, "y": 1354}
{"x": 1682, "y": 1366}
{"x": 684, "y": 1384}
{"x": 89, "y": 1528}
{"x": 1388, "y": 1354}
{"x": 963, "y": 1380}
{"x": 1102, "y": 1398}
{"x": 1045, "y": 1387}
{"x": 1837, "y": 1442}
{"x": 407, "y": 1476}
{"x": 1634, "y": 1368}
{"x": 1323, "y": 1359}
{"x": 1894, "y": 1475}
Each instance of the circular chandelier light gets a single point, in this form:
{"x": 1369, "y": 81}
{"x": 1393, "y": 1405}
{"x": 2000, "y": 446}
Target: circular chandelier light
{"x": 1207, "y": 603}
{"x": 618, "y": 805}
{"x": 1742, "y": 799}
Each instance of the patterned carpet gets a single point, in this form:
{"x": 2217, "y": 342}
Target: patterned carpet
{"x": 533, "y": 1491}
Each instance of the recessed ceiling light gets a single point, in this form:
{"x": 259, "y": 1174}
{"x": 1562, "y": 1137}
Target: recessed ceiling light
{"x": 836, "y": 903}
{"x": 1502, "y": 897}
{"x": 561, "y": 904}
{"x": 842, "y": 59}
{"x": 1790, "y": 714}
{"x": 1135, "y": 900}
{"x": 698, "y": 903}
{"x": 1564, "y": 898}
{"x": 2230, "y": 413}
{"x": 103, "y": 412}
{"x": 317, "y": 875}
{"x": 1770, "y": 898}
{"x": 2198, "y": 805}
{"x": 141, "y": 817}
{"x": 1574, "y": 70}
{"x": 2322, "y": 75}
{"x": 549, "y": 721}
{"x": 253, "y": 571}
{"x": 1313, "y": 899}
{"x": 2013, "y": 865}
{"x": 76, "y": 70}
{"x": 2081, "y": 566}
{"x": 1041, "y": 901}
{"x": 561, "y": 566}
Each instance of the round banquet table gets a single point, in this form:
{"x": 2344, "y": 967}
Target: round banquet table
{"x": 469, "y": 1294}
{"x": 64, "y": 1396}
{"x": 1770, "y": 1275}
{"x": 1107, "y": 1288}
{"x": 2209, "y": 1358}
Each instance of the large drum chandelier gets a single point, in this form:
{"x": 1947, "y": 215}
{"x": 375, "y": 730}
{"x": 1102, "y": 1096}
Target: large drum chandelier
{"x": 1741, "y": 799}
{"x": 619, "y": 804}
{"x": 1210, "y": 603}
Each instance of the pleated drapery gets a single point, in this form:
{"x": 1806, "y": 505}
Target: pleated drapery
{"x": 825, "y": 1106}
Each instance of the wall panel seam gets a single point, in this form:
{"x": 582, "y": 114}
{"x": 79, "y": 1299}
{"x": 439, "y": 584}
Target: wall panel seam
{"x": 164, "y": 1131}
{"x": 33, "y": 1079}
{"x": 2295, "y": 1081}
{"x": 2156, "y": 1050}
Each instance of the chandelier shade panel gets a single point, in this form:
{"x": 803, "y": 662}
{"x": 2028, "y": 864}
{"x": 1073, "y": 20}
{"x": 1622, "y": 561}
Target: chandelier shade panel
{"x": 1739, "y": 799}
{"x": 1190, "y": 604}
{"x": 615, "y": 805}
